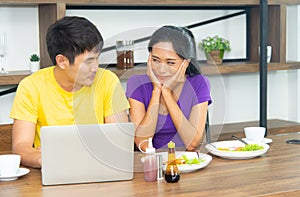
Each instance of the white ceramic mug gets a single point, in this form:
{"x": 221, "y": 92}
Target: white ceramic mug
{"x": 255, "y": 133}
{"x": 9, "y": 164}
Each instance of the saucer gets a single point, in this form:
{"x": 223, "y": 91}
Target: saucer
{"x": 21, "y": 172}
{"x": 265, "y": 140}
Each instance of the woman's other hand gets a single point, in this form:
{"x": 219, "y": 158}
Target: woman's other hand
{"x": 178, "y": 78}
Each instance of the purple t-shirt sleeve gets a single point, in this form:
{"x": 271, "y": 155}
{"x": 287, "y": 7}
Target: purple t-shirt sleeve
{"x": 202, "y": 88}
{"x": 139, "y": 87}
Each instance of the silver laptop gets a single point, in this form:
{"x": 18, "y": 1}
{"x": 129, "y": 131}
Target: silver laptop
{"x": 87, "y": 153}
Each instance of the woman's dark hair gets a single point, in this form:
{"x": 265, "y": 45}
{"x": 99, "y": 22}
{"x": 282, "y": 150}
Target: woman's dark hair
{"x": 72, "y": 36}
{"x": 183, "y": 43}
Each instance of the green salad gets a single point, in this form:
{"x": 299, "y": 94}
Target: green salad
{"x": 252, "y": 147}
{"x": 247, "y": 147}
{"x": 192, "y": 161}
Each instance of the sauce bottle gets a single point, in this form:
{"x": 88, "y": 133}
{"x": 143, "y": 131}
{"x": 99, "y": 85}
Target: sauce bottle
{"x": 172, "y": 174}
{"x": 150, "y": 163}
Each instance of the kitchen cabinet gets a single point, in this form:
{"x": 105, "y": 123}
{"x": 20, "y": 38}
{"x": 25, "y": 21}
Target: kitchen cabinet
{"x": 50, "y": 11}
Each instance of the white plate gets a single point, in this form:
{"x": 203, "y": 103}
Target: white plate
{"x": 265, "y": 140}
{"x": 21, "y": 172}
{"x": 186, "y": 168}
{"x": 235, "y": 154}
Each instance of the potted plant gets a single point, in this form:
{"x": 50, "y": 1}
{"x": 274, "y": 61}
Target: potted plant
{"x": 34, "y": 62}
{"x": 214, "y": 48}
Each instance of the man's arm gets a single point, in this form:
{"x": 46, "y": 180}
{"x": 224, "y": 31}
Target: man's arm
{"x": 118, "y": 117}
{"x": 22, "y": 143}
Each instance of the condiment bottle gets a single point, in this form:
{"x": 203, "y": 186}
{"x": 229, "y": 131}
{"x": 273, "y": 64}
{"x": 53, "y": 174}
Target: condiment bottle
{"x": 172, "y": 174}
{"x": 150, "y": 163}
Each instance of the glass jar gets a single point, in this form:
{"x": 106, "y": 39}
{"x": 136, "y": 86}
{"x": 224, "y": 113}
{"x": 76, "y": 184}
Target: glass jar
{"x": 125, "y": 59}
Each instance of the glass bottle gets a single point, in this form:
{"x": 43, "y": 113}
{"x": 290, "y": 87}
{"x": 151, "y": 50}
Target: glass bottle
{"x": 172, "y": 174}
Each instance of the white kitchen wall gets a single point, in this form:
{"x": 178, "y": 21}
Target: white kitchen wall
{"x": 293, "y": 77}
{"x": 22, "y": 31}
{"x": 21, "y": 27}
{"x": 236, "y": 96}
{"x": 298, "y": 58}
{"x": 132, "y": 24}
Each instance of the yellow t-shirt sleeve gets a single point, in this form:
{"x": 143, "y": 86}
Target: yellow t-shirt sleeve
{"x": 115, "y": 100}
{"x": 25, "y": 102}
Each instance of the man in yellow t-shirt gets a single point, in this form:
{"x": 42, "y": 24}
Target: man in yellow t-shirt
{"x": 75, "y": 90}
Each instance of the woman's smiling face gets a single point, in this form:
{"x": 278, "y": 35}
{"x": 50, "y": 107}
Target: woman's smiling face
{"x": 164, "y": 61}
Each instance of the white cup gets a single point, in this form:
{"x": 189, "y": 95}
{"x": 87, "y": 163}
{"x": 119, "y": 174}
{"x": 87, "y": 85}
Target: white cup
{"x": 255, "y": 133}
{"x": 269, "y": 53}
{"x": 9, "y": 165}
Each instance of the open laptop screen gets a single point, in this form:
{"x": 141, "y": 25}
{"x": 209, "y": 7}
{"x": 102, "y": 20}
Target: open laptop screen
{"x": 87, "y": 153}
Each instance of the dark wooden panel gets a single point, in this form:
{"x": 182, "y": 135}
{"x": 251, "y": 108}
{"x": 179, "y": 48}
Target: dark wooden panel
{"x": 274, "y": 35}
{"x": 48, "y": 14}
{"x": 253, "y": 34}
{"x": 283, "y": 10}
{"x": 276, "y": 32}
{"x": 5, "y": 138}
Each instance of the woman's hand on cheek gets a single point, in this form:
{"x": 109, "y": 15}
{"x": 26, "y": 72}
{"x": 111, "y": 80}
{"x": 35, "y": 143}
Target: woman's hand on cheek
{"x": 151, "y": 75}
{"x": 179, "y": 77}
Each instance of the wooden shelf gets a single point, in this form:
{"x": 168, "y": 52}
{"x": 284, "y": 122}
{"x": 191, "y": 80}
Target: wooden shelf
{"x": 274, "y": 126}
{"x": 245, "y": 67}
{"x": 125, "y": 74}
{"x": 226, "y": 68}
{"x": 50, "y": 11}
{"x": 13, "y": 77}
{"x": 153, "y": 2}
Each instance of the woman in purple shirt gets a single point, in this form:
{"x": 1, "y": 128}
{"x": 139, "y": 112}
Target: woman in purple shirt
{"x": 170, "y": 102}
